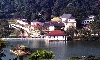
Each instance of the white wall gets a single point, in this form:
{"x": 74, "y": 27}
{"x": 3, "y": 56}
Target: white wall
{"x": 63, "y": 19}
{"x": 71, "y": 20}
{"x": 51, "y": 28}
{"x": 67, "y": 25}
{"x": 21, "y": 22}
{"x": 87, "y": 21}
{"x": 56, "y": 37}
{"x": 34, "y": 23}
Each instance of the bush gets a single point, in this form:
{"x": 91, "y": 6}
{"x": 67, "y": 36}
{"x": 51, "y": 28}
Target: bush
{"x": 42, "y": 54}
{"x": 90, "y": 57}
{"x": 3, "y": 44}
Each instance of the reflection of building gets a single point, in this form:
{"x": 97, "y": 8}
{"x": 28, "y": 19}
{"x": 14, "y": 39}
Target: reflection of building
{"x": 68, "y": 20}
{"x": 37, "y": 43}
{"x": 87, "y": 21}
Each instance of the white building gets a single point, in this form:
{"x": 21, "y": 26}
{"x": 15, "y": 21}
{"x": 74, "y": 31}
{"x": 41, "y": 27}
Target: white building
{"x": 34, "y": 22}
{"x": 68, "y": 20}
{"x": 87, "y": 21}
{"x": 22, "y": 21}
{"x": 51, "y": 28}
{"x": 56, "y": 35}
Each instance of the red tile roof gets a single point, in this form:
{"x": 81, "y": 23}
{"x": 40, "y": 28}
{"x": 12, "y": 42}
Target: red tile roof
{"x": 56, "y": 33}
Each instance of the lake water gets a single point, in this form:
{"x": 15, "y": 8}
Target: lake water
{"x": 61, "y": 49}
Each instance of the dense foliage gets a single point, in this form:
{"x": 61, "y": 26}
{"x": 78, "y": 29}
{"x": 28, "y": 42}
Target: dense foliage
{"x": 4, "y": 28}
{"x": 2, "y": 45}
{"x": 43, "y": 10}
{"x": 42, "y": 54}
{"x": 95, "y": 27}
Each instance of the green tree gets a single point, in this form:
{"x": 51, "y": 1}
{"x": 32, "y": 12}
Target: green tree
{"x": 98, "y": 57}
{"x": 42, "y": 54}
{"x": 95, "y": 27}
{"x": 85, "y": 34}
{"x": 4, "y": 28}
{"x": 71, "y": 31}
{"x": 69, "y": 10}
{"x": 2, "y": 45}
{"x": 90, "y": 57}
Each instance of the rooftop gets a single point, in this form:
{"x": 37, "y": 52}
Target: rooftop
{"x": 68, "y": 16}
{"x": 57, "y": 19}
{"x": 53, "y": 24}
{"x": 56, "y": 33}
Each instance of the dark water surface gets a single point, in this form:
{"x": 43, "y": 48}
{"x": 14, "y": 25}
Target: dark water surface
{"x": 61, "y": 50}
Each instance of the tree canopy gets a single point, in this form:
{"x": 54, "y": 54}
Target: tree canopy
{"x": 4, "y": 28}
{"x": 43, "y": 10}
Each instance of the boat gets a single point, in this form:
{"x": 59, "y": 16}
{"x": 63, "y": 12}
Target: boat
{"x": 20, "y": 50}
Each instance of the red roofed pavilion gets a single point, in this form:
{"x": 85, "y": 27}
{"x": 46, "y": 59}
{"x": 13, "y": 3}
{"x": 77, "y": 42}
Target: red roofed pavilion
{"x": 56, "y": 35}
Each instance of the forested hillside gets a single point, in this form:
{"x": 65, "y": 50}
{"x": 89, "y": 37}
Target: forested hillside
{"x": 44, "y": 10}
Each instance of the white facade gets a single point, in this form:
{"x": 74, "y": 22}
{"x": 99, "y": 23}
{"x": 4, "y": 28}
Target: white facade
{"x": 87, "y": 21}
{"x": 21, "y": 22}
{"x": 34, "y": 23}
{"x": 56, "y": 37}
{"x": 63, "y": 19}
{"x": 70, "y": 22}
{"x": 91, "y": 16}
{"x": 51, "y": 28}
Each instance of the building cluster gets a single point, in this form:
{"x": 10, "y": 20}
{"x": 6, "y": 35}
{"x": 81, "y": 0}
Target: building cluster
{"x": 36, "y": 28}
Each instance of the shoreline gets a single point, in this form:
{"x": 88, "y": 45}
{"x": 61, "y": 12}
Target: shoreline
{"x": 22, "y": 38}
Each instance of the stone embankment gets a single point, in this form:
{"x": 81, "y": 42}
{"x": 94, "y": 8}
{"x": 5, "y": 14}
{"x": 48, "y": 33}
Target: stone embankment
{"x": 22, "y": 38}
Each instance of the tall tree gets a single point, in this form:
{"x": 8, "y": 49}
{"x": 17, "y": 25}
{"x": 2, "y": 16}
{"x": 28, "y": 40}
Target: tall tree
{"x": 95, "y": 27}
{"x": 4, "y": 28}
{"x": 2, "y": 45}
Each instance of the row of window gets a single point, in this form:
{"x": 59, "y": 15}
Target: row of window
{"x": 87, "y": 22}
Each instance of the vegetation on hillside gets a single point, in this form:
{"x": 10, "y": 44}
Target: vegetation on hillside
{"x": 44, "y": 10}
{"x": 4, "y": 28}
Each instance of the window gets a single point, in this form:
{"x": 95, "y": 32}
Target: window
{"x": 54, "y": 36}
{"x": 63, "y": 36}
{"x": 87, "y": 21}
{"x": 84, "y": 21}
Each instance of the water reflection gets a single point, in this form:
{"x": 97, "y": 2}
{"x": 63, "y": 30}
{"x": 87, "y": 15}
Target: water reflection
{"x": 61, "y": 50}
